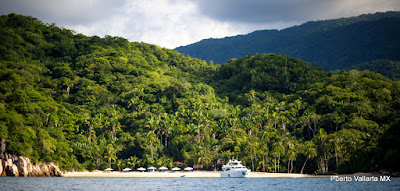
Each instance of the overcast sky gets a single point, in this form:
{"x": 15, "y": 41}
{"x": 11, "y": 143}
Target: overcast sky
{"x": 172, "y": 23}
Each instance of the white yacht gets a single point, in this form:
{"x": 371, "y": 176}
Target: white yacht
{"x": 234, "y": 169}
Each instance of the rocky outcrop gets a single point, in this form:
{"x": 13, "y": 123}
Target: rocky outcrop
{"x": 12, "y": 170}
{"x": 22, "y": 166}
{"x": 44, "y": 169}
{"x": 1, "y": 167}
{"x": 35, "y": 171}
{"x": 54, "y": 170}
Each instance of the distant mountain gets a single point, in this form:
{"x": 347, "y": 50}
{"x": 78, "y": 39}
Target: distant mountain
{"x": 331, "y": 44}
{"x": 388, "y": 68}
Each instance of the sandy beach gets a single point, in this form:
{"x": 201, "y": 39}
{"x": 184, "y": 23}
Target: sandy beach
{"x": 196, "y": 174}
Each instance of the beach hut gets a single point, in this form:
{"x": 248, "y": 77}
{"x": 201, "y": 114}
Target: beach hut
{"x": 141, "y": 169}
{"x": 126, "y": 169}
{"x": 175, "y": 169}
{"x": 188, "y": 169}
{"x": 108, "y": 170}
{"x": 152, "y": 169}
{"x": 163, "y": 168}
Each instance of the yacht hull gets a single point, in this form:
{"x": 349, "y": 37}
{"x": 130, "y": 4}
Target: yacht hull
{"x": 235, "y": 174}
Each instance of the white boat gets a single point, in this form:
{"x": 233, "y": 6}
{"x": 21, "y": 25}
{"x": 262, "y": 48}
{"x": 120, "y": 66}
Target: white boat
{"x": 234, "y": 169}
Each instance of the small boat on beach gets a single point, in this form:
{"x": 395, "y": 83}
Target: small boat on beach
{"x": 234, "y": 169}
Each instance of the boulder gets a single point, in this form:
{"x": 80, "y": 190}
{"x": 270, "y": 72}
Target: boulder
{"x": 22, "y": 166}
{"x": 3, "y": 164}
{"x": 9, "y": 162}
{"x": 54, "y": 170}
{"x": 35, "y": 171}
{"x": 44, "y": 169}
{"x": 12, "y": 170}
{"x": 29, "y": 166}
{"x": 8, "y": 166}
{"x": 1, "y": 167}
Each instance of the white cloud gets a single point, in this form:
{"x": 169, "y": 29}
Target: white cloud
{"x": 164, "y": 23}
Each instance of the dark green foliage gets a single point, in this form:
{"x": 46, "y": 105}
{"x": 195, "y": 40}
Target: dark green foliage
{"x": 331, "y": 44}
{"x": 91, "y": 103}
{"x": 265, "y": 72}
{"x": 388, "y": 68}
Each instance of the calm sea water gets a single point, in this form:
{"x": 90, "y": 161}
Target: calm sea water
{"x": 173, "y": 184}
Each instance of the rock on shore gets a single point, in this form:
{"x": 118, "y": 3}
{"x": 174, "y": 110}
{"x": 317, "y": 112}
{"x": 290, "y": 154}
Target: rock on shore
{"x": 22, "y": 166}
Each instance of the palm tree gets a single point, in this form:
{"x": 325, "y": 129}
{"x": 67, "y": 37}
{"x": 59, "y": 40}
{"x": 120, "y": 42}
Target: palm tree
{"x": 90, "y": 122}
{"x": 292, "y": 157}
{"x": 310, "y": 153}
{"x": 111, "y": 154}
{"x": 266, "y": 136}
{"x": 204, "y": 156}
{"x": 199, "y": 117}
{"x": 291, "y": 153}
{"x": 234, "y": 115}
{"x": 336, "y": 140}
{"x": 251, "y": 148}
{"x": 274, "y": 154}
{"x": 323, "y": 150}
{"x": 68, "y": 83}
{"x": 132, "y": 161}
{"x": 169, "y": 120}
{"x": 216, "y": 149}
{"x": 151, "y": 138}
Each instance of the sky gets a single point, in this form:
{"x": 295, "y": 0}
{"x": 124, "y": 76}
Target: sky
{"x": 173, "y": 23}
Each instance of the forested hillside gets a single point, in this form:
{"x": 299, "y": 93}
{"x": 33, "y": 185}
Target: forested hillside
{"x": 388, "y": 68}
{"x": 90, "y": 103}
{"x": 331, "y": 44}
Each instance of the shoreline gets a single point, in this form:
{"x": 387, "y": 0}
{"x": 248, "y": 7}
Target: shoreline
{"x": 198, "y": 174}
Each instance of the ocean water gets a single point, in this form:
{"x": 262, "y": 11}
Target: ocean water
{"x": 192, "y": 184}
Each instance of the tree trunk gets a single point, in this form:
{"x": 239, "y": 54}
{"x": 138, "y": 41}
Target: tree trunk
{"x": 279, "y": 158}
{"x": 151, "y": 146}
{"x": 98, "y": 162}
{"x": 337, "y": 160}
{"x": 113, "y": 132}
{"x": 302, "y": 168}
{"x": 90, "y": 133}
{"x": 166, "y": 137}
{"x": 68, "y": 89}
{"x": 165, "y": 140}
{"x": 266, "y": 160}
{"x": 326, "y": 166}
{"x": 263, "y": 162}
{"x": 252, "y": 163}
{"x": 275, "y": 164}
{"x": 198, "y": 129}
{"x": 288, "y": 166}
{"x": 291, "y": 169}
{"x": 323, "y": 165}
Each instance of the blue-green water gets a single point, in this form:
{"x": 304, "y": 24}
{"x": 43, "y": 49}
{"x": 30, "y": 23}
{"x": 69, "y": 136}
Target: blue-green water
{"x": 173, "y": 184}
